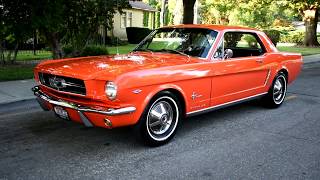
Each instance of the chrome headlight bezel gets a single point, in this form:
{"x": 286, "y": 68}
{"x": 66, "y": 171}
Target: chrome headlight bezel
{"x": 111, "y": 90}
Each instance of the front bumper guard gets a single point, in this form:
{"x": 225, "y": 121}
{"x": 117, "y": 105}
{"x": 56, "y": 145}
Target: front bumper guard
{"x": 110, "y": 112}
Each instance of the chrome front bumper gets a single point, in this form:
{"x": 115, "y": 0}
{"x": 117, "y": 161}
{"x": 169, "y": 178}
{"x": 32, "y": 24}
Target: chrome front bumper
{"x": 110, "y": 112}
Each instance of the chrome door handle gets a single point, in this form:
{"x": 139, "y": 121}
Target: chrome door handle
{"x": 259, "y": 60}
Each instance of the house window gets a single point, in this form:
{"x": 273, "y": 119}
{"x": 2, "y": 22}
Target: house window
{"x": 129, "y": 20}
{"x": 124, "y": 20}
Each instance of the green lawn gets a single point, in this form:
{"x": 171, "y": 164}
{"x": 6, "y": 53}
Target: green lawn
{"x": 303, "y": 50}
{"x": 16, "y": 72}
{"x": 28, "y": 55}
{"x": 122, "y": 49}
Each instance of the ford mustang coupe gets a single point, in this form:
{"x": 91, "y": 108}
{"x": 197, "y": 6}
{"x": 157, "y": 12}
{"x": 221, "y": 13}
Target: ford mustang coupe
{"x": 174, "y": 72}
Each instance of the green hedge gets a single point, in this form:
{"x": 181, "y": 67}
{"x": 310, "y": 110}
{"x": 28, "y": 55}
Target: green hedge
{"x": 274, "y": 35}
{"x": 135, "y": 34}
{"x": 94, "y": 50}
{"x": 292, "y": 37}
{"x": 90, "y": 50}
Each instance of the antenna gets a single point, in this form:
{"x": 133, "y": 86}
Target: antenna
{"x": 117, "y": 46}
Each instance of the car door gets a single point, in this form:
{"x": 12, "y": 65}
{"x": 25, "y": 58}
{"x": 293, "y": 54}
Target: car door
{"x": 244, "y": 74}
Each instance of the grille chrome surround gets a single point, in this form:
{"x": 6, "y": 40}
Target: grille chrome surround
{"x": 62, "y": 83}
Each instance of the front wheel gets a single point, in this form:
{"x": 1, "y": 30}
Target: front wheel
{"x": 160, "y": 119}
{"x": 277, "y": 91}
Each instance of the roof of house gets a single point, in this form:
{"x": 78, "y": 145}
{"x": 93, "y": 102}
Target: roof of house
{"x": 142, "y": 6}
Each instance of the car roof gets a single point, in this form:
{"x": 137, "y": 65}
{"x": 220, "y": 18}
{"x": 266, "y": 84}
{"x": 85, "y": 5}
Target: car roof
{"x": 211, "y": 26}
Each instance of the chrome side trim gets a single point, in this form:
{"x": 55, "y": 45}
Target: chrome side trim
{"x": 268, "y": 76}
{"x": 193, "y": 113}
{"x": 111, "y": 112}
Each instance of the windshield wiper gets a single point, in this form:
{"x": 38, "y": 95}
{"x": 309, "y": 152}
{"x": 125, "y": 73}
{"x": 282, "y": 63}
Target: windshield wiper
{"x": 173, "y": 51}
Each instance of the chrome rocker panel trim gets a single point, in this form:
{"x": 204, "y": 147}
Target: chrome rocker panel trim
{"x": 110, "y": 112}
{"x": 220, "y": 106}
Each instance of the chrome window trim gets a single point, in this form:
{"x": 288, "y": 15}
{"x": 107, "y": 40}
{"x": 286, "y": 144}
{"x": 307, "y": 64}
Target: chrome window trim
{"x": 243, "y": 31}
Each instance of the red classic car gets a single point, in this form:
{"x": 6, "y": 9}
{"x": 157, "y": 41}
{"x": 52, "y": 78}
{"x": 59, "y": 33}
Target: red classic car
{"x": 174, "y": 72}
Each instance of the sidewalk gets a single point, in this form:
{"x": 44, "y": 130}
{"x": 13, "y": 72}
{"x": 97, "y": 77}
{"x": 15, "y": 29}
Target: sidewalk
{"x": 12, "y": 91}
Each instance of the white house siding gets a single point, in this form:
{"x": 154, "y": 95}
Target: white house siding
{"x": 120, "y": 31}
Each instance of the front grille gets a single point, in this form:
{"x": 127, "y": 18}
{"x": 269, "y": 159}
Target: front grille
{"x": 61, "y": 83}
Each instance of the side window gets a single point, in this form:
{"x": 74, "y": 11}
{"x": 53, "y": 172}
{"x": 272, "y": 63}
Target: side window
{"x": 243, "y": 44}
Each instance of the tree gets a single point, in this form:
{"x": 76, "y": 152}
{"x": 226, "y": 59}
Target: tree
{"x": 253, "y": 13}
{"x": 73, "y": 22}
{"x": 188, "y": 12}
{"x": 217, "y": 11}
{"x": 309, "y": 10}
{"x": 15, "y": 27}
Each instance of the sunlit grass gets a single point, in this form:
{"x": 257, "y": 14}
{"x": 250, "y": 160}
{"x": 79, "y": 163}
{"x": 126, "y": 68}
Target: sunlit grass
{"x": 305, "y": 51}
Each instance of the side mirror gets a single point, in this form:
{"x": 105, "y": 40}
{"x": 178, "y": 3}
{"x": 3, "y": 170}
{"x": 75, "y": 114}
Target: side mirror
{"x": 228, "y": 53}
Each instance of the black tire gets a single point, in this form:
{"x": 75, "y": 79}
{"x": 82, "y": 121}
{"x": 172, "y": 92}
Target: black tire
{"x": 160, "y": 120}
{"x": 277, "y": 91}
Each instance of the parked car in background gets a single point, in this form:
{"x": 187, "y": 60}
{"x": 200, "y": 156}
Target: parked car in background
{"x": 175, "y": 72}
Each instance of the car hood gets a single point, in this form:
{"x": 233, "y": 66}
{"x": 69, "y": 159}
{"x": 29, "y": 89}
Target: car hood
{"x": 108, "y": 67}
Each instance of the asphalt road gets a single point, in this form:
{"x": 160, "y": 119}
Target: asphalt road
{"x": 245, "y": 141}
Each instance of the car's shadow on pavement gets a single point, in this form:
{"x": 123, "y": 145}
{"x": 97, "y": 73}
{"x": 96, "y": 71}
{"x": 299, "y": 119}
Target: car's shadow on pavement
{"x": 58, "y": 132}
{"x": 223, "y": 115}
{"x": 62, "y": 132}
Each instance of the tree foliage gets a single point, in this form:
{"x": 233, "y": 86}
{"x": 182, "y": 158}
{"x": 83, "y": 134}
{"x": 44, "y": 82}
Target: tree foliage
{"x": 14, "y": 27}
{"x": 253, "y": 13}
{"x": 263, "y": 14}
{"x": 72, "y": 22}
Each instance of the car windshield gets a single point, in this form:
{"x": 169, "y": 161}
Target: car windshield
{"x": 186, "y": 41}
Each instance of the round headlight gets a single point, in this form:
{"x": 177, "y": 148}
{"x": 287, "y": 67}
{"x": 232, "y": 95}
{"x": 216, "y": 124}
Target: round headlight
{"x": 111, "y": 90}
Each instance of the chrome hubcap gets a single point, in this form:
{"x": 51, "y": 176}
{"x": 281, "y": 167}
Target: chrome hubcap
{"x": 160, "y": 117}
{"x": 279, "y": 89}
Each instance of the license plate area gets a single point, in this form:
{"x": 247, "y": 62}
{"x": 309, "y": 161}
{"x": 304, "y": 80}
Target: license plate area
{"x": 61, "y": 112}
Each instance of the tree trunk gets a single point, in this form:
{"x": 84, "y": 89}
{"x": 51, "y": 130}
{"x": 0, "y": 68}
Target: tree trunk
{"x": 310, "y": 17}
{"x": 54, "y": 41}
{"x": 8, "y": 56}
{"x": 188, "y": 13}
{"x": 163, "y": 12}
{"x": 2, "y": 60}
{"x": 16, "y": 49}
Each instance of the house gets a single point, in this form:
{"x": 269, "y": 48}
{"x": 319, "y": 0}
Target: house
{"x": 132, "y": 17}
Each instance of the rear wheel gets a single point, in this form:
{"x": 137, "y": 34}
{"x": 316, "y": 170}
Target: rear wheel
{"x": 277, "y": 91}
{"x": 160, "y": 119}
